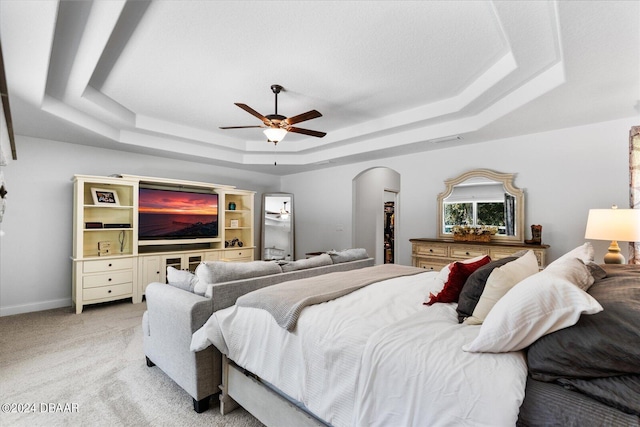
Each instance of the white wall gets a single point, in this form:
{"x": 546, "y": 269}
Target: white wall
{"x": 564, "y": 173}
{"x": 35, "y": 264}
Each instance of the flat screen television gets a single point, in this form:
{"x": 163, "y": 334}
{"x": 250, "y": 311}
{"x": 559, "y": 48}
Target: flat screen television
{"x": 176, "y": 214}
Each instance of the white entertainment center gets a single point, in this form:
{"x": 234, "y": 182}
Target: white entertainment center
{"x": 110, "y": 262}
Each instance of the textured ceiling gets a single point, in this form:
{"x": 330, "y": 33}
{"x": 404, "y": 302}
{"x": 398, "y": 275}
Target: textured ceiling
{"x": 161, "y": 77}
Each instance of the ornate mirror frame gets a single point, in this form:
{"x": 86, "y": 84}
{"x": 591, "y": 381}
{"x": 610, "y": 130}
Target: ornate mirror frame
{"x": 507, "y": 181}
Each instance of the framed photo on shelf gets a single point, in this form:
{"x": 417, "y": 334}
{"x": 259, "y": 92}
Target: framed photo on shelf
{"x": 105, "y": 197}
{"x": 235, "y": 223}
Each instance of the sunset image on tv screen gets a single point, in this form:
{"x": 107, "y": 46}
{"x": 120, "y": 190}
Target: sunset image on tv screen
{"x": 177, "y": 214}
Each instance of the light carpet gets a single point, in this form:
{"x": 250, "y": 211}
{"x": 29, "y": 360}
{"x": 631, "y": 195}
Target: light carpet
{"x": 58, "y": 368}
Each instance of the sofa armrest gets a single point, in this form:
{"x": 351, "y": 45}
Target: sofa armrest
{"x": 173, "y": 315}
{"x": 174, "y": 309}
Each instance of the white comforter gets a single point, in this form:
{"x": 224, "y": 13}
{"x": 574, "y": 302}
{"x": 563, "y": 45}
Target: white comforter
{"x": 376, "y": 357}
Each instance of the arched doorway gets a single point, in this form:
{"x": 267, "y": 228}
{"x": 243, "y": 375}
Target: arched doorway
{"x": 371, "y": 189}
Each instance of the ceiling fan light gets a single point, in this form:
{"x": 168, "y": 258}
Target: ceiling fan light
{"x": 275, "y": 134}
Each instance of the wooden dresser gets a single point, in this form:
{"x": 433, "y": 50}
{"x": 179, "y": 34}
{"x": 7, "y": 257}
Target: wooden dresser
{"x": 434, "y": 254}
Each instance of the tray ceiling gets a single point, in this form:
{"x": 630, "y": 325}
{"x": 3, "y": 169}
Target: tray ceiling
{"x": 389, "y": 77}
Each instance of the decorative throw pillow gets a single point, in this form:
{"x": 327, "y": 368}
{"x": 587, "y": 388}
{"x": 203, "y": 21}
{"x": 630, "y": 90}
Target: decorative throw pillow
{"x": 220, "y": 271}
{"x": 459, "y": 272}
{"x": 540, "y": 304}
{"x": 499, "y": 282}
{"x": 347, "y": 255}
{"x": 474, "y": 286}
{"x": 301, "y": 264}
{"x": 185, "y": 280}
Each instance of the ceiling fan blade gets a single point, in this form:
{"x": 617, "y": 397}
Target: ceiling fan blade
{"x": 253, "y": 112}
{"x": 307, "y": 132}
{"x": 239, "y": 127}
{"x": 313, "y": 114}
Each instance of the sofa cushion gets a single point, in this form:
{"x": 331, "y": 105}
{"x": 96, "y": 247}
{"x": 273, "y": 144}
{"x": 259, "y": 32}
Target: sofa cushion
{"x": 303, "y": 264}
{"x": 347, "y": 255}
{"x": 220, "y": 271}
{"x": 185, "y": 280}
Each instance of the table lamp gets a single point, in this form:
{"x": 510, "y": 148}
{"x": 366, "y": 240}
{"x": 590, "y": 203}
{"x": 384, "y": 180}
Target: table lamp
{"x": 616, "y": 225}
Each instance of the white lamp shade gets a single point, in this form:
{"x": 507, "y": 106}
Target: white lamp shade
{"x": 613, "y": 224}
{"x": 275, "y": 134}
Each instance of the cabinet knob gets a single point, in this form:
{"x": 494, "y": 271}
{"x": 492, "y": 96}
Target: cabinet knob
{"x": 109, "y": 281}
{"x": 110, "y": 265}
{"x": 430, "y": 250}
{"x": 109, "y": 291}
{"x": 466, "y": 253}
{"x": 157, "y": 272}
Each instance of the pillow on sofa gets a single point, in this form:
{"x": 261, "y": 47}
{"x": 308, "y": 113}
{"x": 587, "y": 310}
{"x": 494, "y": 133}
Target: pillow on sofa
{"x": 220, "y": 271}
{"x": 473, "y": 287}
{"x": 302, "y": 264}
{"x": 499, "y": 282}
{"x": 182, "y": 279}
{"x": 540, "y": 304}
{"x": 459, "y": 271}
{"x": 348, "y": 255}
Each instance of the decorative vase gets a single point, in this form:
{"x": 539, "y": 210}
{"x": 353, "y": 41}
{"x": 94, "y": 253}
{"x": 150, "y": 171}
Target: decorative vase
{"x": 232, "y": 206}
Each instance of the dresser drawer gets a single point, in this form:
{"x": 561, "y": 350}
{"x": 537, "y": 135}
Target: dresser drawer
{"x": 500, "y": 253}
{"x": 238, "y": 254}
{"x": 432, "y": 250}
{"x": 107, "y": 291}
{"x": 429, "y": 264}
{"x": 107, "y": 279}
{"x": 468, "y": 252}
{"x": 107, "y": 265}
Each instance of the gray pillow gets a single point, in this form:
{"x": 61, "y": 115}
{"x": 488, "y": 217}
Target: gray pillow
{"x": 219, "y": 271}
{"x": 348, "y": 255}
{"x": 474, "y": 286}
{"x": 302, "y": 264}
{"x": 181, "y": 279}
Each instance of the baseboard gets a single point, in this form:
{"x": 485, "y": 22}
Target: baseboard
{"x": 38, "y": 306}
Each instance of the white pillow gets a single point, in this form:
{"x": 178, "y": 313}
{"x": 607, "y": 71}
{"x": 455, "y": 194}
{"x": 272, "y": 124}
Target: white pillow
{"x": 182, "y": 279}
{"x": 584, "y": 252}
{"x": 540, "y": 304}
{"x": 574, "y": 270}
{"x": 499, "y": 282}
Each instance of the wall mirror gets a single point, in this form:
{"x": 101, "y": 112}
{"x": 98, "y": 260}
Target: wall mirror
{"x": 482, "y": 197}
{"x": 277, "y": 227}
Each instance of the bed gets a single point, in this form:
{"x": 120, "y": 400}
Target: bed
{"x": 376, "y": 354}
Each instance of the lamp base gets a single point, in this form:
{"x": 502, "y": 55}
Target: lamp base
{"x": 614, "y": 256}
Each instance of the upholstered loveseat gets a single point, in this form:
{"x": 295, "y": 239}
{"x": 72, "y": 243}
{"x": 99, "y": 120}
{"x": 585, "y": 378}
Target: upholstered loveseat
{"x": 176, "y": 311}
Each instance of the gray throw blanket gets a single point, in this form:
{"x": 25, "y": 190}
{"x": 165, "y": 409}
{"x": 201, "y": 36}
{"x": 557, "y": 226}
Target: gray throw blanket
{"x": 286, "y": 300}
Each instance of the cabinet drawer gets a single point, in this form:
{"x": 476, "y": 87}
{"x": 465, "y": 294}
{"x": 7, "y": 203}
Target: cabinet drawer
{"x": 107, "y": 279}
{"x": 468, "y": 252}
{"x": 432, "y": 250}
{"x": 107, "y": 291}
{"x": 107, "y": 264}
{"x": 238, "y": 254}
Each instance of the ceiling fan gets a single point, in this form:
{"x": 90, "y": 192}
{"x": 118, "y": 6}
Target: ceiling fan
{"x": 277, "y": 126}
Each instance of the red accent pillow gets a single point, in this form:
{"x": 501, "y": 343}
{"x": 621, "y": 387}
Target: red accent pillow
{"x": 460, "y": 272}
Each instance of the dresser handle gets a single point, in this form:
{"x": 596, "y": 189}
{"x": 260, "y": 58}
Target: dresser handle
{"x": 109, "y": 279}
{"x": 466, "y": 253}
{"x": 110, "y": 265}
{"x": 430, "y": 250}
{"x": 109, "y": 291}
